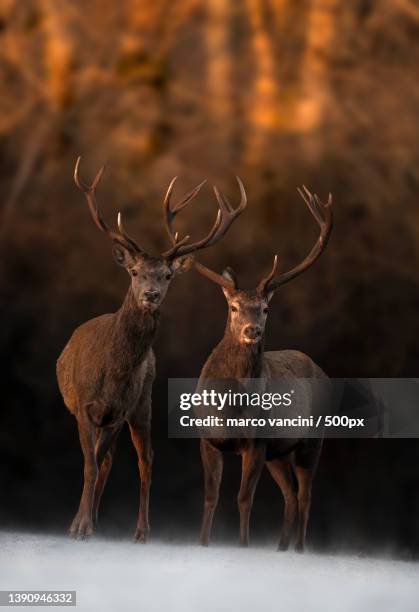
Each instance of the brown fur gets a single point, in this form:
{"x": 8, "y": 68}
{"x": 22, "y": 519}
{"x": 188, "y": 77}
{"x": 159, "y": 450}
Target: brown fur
{"x": 240, "y": 355}
{"x": 291, "y": 462}
{"x": 105, "y": 375}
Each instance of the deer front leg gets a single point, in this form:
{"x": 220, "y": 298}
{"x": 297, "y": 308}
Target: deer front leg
{"x": 82, "y": 525}
{"x": 104, "y": 451}
{"x": 141, "y": 438}
{"x": 105, "y": 468}
{"x": 253, "y": 458}
{"x": 212, "y": 462}
{"x": 281, "y": 472}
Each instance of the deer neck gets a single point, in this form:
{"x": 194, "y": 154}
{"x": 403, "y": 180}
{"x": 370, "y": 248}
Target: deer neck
{"x": 234, "y": 359}
{"x": 135, "y": 327}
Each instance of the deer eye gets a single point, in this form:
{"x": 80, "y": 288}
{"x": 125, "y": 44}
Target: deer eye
{"x": 168, "y": 276}
{"x": 234, "y": 309}
{"x": 134, "y": 272}
{"x": 265, "y": 310}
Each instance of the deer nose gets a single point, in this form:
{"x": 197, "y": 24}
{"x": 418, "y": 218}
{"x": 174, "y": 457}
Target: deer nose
{"x": 152, "y": 296}
{"x": 252, "y": 332}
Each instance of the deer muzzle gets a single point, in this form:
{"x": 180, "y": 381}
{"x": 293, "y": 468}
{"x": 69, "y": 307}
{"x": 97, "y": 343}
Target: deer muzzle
{"x": 152, "y": 297}
{"x": 251, "y": 334}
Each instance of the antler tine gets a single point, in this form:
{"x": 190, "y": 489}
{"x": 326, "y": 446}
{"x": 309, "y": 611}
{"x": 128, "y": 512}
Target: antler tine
{"x": 324, "y": 216}
{"x": 214, "y": 276}
{"x": 90, "y": 193}
{"x": 267, "y": 279}
{"x": 126, "y": 237}
{"x": 225, "y": 217}
{"x": 222, "y": 199}
{"x": 170, "y": 213}
{"x": 177, "y": 244}
{"x": 311, "y": 203}
{"x": 225, "y": 203}
{"x": 188, "y": 197}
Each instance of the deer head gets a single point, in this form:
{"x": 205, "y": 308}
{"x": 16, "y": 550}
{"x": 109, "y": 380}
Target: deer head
{"x": 248, "y": 309}
{"x": 150, "y": 275}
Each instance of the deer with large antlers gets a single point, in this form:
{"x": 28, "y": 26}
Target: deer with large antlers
{"x": 106, "y": 371}
{"x": 240, "y": 355}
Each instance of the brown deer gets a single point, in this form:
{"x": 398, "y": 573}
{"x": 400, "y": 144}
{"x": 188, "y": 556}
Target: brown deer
{"x": 240, "y": 355}
{"x": 106, "y": 371}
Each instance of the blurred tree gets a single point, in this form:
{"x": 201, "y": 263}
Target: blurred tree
{"x": 280, "y": 92}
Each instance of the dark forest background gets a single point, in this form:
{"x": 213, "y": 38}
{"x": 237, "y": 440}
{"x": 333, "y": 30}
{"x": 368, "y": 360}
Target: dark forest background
{"x": 280, "y": 92}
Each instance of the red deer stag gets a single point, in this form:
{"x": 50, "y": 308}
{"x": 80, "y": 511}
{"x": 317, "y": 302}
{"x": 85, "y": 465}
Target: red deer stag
{"x": 240, "y": 355}
{"x": 106, "y": 371}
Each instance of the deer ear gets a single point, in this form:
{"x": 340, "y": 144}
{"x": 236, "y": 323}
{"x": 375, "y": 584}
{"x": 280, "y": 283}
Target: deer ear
{"x": 230, "y": 275}
{"x": 123, "y": 256}
{"x": 182, "y": 264}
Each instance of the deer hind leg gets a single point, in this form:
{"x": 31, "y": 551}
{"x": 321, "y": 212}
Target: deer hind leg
{"x": 253, "y": 459}
{"x": 281, "y": 471}
{"x": 306, "y": 460}
{"x": 82, "y": 525}
{"x": 105, "y": 449}
{"x": 212, "y": 462}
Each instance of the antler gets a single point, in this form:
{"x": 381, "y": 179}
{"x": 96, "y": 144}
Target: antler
{"x": 225, "y": 217}
{"x": 90, "y": 192}
{"x": 324, "y": 217}
{"x": 214, "y": 276}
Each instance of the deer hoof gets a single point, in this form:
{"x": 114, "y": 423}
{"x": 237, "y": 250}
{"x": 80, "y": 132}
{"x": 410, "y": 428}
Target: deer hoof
{"x": 141, "y": 535}
{"x": 81, "y": 528}
{"x": 299, "y": 548}
{"x": 283, "y": 546}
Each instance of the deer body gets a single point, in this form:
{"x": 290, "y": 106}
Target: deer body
{"x": 105, "y": 375}
{"x": 240, "y": 355}
{"x": 106, "y": 371}
{"x": 287, "y": 459}
{"x": 114, "y": 369}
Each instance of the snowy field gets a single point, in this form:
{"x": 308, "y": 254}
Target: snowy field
{"x": 120, "y": 575}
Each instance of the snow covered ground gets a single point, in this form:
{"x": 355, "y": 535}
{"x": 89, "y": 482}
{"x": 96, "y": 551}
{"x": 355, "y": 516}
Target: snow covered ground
{"x": 119, "y": 575}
